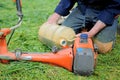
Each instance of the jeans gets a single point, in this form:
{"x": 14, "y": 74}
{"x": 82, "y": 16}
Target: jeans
{"x": 76, "y": 20}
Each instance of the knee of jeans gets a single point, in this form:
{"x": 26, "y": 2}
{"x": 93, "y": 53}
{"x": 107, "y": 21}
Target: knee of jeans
{"x": 104, "y": 47}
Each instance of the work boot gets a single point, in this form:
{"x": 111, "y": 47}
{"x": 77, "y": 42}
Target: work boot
{"x": 103, "y": 47}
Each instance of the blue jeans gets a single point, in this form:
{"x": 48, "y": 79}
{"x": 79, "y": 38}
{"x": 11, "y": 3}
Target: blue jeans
{"x": 76, "y": 20}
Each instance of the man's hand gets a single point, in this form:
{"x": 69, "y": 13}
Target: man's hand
{"x": 53, "y": 19}
{"x": 84, "y": 33}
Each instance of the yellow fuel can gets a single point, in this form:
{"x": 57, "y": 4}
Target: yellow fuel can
{"x": 56, "y": 35}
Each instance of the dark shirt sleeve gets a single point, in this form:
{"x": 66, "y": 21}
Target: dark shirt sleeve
{"x": 64, "y": 7}
{"x": 108, "y": 14}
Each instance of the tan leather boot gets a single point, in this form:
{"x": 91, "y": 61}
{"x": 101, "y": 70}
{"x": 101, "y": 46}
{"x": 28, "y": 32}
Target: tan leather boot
{"x": 103, "y": 47}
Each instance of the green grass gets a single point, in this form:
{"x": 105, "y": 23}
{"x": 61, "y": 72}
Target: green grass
{"x": 36, "y": 13}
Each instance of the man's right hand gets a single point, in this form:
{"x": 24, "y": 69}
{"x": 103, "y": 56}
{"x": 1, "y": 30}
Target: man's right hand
{"x": 53, "y": 19}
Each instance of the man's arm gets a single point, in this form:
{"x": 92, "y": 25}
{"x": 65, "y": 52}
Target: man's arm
{"x": 105, "y": 17}
{"x": 96, "y": 28}
{"x": 62, "y": 9}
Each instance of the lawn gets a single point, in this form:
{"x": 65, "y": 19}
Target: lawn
{"x": 25, "y": 38}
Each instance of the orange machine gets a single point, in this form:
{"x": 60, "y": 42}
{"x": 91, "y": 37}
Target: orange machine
{"x": 80, "y": 58}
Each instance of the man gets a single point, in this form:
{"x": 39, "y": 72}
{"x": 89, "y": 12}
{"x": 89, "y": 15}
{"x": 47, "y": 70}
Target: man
{"x": 99, "y": 16}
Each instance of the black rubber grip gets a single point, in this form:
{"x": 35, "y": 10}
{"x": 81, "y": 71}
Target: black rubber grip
{"x": 19, "y": 7}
